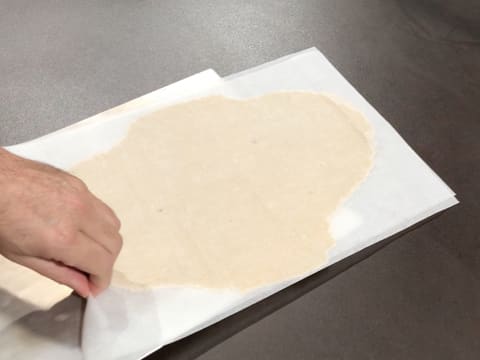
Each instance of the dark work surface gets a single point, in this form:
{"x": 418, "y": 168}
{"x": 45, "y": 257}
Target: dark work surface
{"x": 417, "y": 62}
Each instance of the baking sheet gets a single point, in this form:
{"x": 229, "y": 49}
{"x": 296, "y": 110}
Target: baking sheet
{"x": 401, "y": 190}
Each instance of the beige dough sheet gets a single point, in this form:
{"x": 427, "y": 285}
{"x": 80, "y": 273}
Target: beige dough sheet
{"x": 223, "y": 193}
{"x": 226, "y": 193}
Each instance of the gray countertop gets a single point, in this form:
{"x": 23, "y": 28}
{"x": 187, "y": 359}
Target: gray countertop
{"x": 418, "y": 62}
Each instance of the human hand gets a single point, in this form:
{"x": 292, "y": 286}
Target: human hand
{"x": 51, "y": 223}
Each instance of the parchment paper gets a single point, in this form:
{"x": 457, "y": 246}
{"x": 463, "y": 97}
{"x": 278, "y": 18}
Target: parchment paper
{"x": 26, "y": 330}
{"x": 120, "y": 324}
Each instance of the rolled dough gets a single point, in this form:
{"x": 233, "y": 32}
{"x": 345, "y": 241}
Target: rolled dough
{"x": 226, "y": 193}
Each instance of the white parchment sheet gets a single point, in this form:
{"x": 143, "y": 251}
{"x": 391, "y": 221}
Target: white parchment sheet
{"x": 120, "y": 324}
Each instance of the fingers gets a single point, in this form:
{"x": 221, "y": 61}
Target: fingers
{"x": 103, "y": 226}
{"x": 89, "y": 256}
{"x": 95, "y": 287}
{"x": 101, "y": 268}
{"x": 93, "y": 246}
{"x": 107, "y": 213}
{"x": 76, "y": 260}
{"x": 60, "y": 273}
{"x": 93, "y": 253}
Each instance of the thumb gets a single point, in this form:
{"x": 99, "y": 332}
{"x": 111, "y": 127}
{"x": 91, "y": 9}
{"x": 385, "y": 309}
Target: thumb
{"x": 58, "y": 272}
